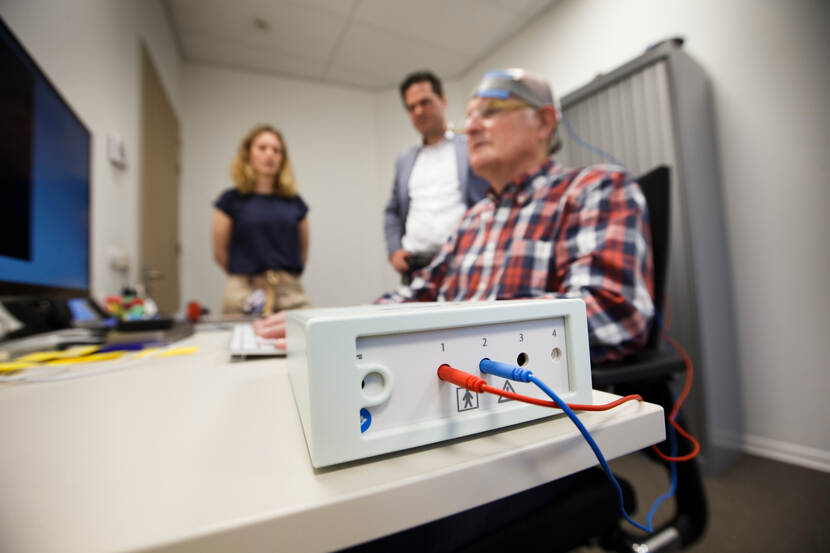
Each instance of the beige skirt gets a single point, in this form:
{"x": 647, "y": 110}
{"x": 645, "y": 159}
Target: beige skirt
{"x": 282, "y": 291}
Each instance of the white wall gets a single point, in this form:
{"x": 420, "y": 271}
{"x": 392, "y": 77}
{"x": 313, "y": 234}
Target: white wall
{"x": 90, "y": 50}
{"x": 768, "y": 67}
{"x": 331, "y": 138}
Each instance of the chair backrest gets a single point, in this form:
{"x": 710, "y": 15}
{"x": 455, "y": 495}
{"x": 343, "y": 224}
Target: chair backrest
{"x": 656, "y": 187}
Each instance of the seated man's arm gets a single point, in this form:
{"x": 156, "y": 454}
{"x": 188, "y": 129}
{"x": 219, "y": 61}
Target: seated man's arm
{"x": 272, "y": 326}
{"x": 603, "y": 255}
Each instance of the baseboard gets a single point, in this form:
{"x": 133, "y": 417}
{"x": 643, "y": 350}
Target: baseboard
{"x": 795, "y": 454}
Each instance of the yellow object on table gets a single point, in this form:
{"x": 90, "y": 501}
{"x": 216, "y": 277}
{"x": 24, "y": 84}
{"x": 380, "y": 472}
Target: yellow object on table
{"x": 146, "y": 353}
{"x": 178, "y": 351}
{"x": 12, "y": 366}
{"x": 87, "y": 358}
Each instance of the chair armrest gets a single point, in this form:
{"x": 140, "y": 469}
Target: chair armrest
{"x": 645, "y": 365}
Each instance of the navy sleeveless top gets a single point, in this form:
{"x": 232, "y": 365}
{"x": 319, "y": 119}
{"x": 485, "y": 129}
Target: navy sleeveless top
{"x": 264, "y": 234}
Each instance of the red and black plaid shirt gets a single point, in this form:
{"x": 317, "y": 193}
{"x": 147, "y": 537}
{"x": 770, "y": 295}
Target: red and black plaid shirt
{"x": 576, "y": 233}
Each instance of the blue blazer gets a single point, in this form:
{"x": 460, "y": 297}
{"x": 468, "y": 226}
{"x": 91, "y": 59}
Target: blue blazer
{"x": 473, "y": 188}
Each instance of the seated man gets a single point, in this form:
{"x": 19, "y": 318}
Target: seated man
{"x": 542, "y": 231}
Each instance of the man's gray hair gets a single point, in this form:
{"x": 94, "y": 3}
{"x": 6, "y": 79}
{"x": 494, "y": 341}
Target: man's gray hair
{"x": 529, "y": 88}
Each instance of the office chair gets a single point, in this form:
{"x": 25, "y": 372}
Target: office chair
{"x": 651, "y": 372}
{"x": 583, "y": 508}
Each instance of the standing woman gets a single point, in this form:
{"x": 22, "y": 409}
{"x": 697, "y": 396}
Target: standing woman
{"x": 260, "y": 229}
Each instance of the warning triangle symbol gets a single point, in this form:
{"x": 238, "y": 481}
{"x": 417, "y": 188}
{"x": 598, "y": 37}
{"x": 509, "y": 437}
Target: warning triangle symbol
{"x": 508, "y": 388}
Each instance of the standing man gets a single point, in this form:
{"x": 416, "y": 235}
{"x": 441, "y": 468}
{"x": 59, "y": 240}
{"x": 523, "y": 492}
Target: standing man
{"x": 433, "y": 184}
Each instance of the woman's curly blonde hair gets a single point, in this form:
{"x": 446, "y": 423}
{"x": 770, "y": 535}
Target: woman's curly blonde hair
{"x": 244, "y": 175}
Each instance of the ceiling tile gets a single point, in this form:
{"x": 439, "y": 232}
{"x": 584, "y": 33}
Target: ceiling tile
{"x": 305, "y": 31}
{"x": 365, "y": 43}
{"x": 527, "y": 8}
{"x": 342, "y": 7}
{"x": 390, "y": 54}
{"x": 449, "y": 25}
{"x": 468, "y": 26}
{"x": 361, "y": 77}
{"x": 235, "y": 54}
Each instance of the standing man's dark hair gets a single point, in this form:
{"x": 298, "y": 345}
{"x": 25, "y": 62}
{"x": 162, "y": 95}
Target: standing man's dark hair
{"x": 419, "y": 77}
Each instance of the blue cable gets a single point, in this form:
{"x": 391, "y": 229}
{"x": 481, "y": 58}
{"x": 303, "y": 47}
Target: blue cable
{"x": 575, "y": 137}
{"x": 672, "y": 442}
{"x": 672, "y": 471}
{"x": 523, "y": 375}
{"x": 588, "y": 438}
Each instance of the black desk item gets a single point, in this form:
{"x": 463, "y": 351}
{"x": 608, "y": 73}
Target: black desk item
{"x": 159, "y": 323}
{"x": 175, "y": 331}
{"x": 52, "y": 340}
{"x": 36, "y": 315}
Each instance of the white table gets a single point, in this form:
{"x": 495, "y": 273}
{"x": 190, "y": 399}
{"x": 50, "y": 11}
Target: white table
{"x": 195, "y": 453}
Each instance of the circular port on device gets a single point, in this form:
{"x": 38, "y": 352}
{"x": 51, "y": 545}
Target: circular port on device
{"x": 522, "y": 359}
{"x": 556, "y": 354}
{"x": 372, "y": 384}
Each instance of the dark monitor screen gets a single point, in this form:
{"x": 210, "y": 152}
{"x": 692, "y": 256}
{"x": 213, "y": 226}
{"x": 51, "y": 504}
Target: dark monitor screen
{"x": 44, "y": 182}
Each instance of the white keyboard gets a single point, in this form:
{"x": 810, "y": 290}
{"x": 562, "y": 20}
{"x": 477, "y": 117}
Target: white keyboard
{"x": 245, "y": 343}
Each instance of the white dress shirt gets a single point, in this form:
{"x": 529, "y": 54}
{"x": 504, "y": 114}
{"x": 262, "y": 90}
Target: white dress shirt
{"x": 435, "y": 201}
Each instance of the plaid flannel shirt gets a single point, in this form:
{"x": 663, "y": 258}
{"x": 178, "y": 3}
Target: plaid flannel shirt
{"x": 575, "y": 233}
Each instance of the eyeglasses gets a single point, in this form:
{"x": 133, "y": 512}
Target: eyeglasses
{"x": 493, "y": 108}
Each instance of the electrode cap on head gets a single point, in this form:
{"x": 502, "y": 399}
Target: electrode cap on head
{"x": 501, "y": 83}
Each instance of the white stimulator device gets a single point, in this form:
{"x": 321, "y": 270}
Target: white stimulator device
{"x": 365, "y": 378}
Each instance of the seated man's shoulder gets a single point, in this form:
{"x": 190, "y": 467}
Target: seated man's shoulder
{"x": 598, "y": 176}
{"x": 601, "y": 171}
{"x": 591, "y": 183}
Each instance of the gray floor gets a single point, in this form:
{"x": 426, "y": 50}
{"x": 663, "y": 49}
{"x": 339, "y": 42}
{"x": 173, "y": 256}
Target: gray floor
{"x": 756, "y": 505}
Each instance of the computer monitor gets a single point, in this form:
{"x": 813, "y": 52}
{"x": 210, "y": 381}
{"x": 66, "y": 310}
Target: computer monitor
{"x": 44, "y": 183}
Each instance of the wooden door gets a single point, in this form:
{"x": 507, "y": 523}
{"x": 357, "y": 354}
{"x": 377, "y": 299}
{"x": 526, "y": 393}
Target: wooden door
{"x": 159, "y": 216}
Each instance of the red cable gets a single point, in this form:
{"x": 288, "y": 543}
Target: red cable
{"x": 687, "y": 386}
{"x": 547, "y": 403}
{"x": 479, "y": 385}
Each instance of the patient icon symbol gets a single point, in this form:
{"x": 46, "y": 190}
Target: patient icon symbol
{"x": 465, "y": 400}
